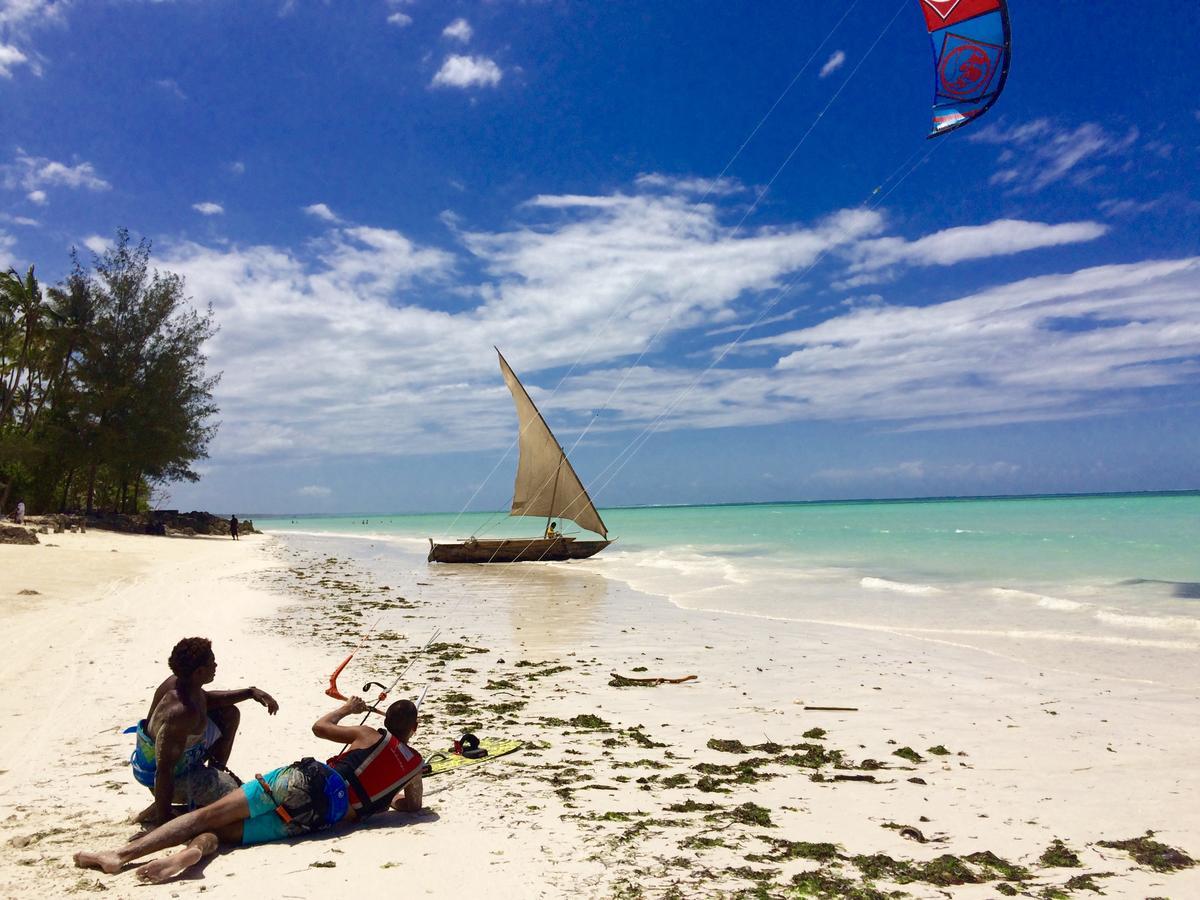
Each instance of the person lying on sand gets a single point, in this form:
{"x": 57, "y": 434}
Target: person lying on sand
{"x": 186, "y": 728}
{"x": 376, "y": 770}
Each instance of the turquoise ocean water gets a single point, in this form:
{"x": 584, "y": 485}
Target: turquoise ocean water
{"x": 1045, "y": 577}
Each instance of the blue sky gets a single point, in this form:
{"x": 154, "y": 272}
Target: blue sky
{"x": 711, "y": 237}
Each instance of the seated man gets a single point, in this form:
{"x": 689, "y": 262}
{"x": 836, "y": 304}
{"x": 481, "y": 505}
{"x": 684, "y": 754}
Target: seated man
{"x": 377, "y": 770}
{"x": 186, "y": 727}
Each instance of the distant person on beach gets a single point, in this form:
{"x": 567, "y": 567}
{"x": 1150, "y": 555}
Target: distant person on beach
{"x": 378, "y": 771}
{"x": 233, "y": 527}
{"x": 20, "y": 512}
{"x": 183, "y": 744}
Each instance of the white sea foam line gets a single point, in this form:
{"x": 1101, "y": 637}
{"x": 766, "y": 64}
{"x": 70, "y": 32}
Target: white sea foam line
{"x": 1162, "y": 623}
{"x": 900, "y": 587}
{"x": 1043, "y": 600}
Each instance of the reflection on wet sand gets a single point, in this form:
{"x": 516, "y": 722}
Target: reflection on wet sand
{"x": 550, "y": 605}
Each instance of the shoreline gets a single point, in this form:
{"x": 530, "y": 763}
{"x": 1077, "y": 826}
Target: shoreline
{"x": 606, "y": 798}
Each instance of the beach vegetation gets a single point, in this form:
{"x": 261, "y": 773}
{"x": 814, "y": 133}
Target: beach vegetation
{"x": 727, "y": 746}
{"x": 814, "y": 734}
{"x": 910, "y": 754}
{"x": 104, "y": 388}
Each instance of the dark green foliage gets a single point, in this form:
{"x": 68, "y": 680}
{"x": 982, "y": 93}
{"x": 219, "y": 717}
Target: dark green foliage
{"x": 103, "y": 389}
{"x": 1148, "y": 852}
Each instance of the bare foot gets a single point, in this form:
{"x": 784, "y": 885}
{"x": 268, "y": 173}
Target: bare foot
{"x": 159, "y": 870}
{"x": 109, "y": 863}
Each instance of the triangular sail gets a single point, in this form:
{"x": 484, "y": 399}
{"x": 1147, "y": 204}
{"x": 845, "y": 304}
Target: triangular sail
{"x": 546, "y": 484}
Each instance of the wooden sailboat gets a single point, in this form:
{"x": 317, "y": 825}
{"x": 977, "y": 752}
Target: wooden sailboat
{"x": 546, "y": 485}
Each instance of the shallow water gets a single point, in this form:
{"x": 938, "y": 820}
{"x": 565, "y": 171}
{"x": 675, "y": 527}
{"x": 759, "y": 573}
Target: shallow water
{"x": 1108, "y": 583}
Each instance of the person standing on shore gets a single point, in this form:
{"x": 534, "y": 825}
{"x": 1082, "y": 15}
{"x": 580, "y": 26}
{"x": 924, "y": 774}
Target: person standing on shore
{"x": 233, "y": 527}
{"x": 378, "y": 771}
{"x": 186, "y": 728}
{"x": 20, "y": 512}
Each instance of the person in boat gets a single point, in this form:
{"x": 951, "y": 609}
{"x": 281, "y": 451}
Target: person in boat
{"x": 552, "y": 531}
{"x": 377, "y": 770}
{"x": 183, "y": 745}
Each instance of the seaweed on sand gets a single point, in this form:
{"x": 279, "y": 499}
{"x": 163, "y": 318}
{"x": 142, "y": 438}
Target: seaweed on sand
{"x": 826, "y": 885}
{"x": 1151, "y": 853}
{"x": 783, "y": 850}
{"x": 910, "y": 754}
{"x": 730, "y": 746}
{"x": 1059, "y": 856}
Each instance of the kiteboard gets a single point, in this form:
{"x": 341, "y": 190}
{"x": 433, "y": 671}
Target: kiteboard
{"x": 445, "y": 760}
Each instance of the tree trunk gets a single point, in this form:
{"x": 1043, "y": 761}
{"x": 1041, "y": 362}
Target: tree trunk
{"x": 91, "y": 490}
{"x": 62, "y": 507}
{"x": 137, "y": 489}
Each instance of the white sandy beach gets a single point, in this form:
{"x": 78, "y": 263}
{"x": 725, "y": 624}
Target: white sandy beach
{"x": 1034, "y": 755}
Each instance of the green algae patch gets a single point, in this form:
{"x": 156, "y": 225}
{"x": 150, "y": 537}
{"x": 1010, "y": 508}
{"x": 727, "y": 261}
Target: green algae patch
{"x": 986, "y": 859}
{"x": 814, "y": 734}
{"x": 1150, "y": 853}
{"x": 499, "y": 685}
{"x": 752, "y": 814}
{"x": 691, "y": 805}
{"x": 1086, "y": 882}
{"x": 939, "y": 750}
{"x": 709, "y": 785}
{"x": 749, "y": 874}
{"x": 1059, "y": 856}
{"x": 727, "y": 746}
{"x": 783, "y": 850}
{"x": 1006, "y": 889}
{"x": 676, "y": 781}
{"x": 825, "y": 885}
{"x": 910, "y": 754}
{"x": 812, "y": 756}
{"x": 587, "y": 720}
{"x": 640, "y": 738}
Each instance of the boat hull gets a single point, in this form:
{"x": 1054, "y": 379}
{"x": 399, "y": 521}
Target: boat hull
{"x": 515, "y": 550}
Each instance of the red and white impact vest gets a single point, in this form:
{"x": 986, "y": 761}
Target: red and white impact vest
{"x": 375, "y": 775}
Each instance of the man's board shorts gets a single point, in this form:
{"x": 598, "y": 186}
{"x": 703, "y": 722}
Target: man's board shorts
{"x": 195, "y": 783}
{"x": 312, "y": 794}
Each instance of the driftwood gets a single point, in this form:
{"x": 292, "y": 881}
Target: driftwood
{"x": 832, "y": 708}
{"x": 622, "y": 681}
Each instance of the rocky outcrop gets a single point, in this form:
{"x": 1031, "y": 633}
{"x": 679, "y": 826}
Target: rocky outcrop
{"x": 16, "y": 534}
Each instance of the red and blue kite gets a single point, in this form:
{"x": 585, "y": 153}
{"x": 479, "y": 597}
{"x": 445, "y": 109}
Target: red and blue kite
{"x": 971, "y": 50}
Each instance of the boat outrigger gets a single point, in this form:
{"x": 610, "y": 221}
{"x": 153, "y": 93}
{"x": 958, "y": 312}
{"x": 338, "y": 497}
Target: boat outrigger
{"x": 546, "y": 485}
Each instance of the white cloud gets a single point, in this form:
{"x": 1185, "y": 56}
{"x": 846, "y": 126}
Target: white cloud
{"x": 1053, "y": 347}
{"x": 33, "y": 173}
{"x": 835, "y": 62}
{"x": 713, "y": 187}
{"x": 38, "y": 197}
{"x": 1040, "y": 153}
{"x": 7, "y": 243}
{"x": 171, "y": 86}
{"x": 237, "y": 167}
{"x": 10, "y": 58}
{"x": 208, "y": 208}
{"x": 322, "y": 212}
{"x": 459, "y": 30}
{"x": 397, "y": 344}
{"x": 314, "y": 490}
{"x": 467, "y": 71}
{"x": 919, "y": 470}
{"x": 399, "y": 19}
{"x": 97, "y": 244}
{"x": 1003, "y": 237}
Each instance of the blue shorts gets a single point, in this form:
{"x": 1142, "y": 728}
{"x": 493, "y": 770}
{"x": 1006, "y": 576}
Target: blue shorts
{"x": 290, "y": 788}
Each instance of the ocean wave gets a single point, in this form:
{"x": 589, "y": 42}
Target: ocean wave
{"x": 1058, "y": 604}
{"x": 900, "y": 587}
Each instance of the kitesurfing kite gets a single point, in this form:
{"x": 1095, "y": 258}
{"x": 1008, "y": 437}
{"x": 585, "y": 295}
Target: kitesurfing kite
{"x": 971, "y": 50}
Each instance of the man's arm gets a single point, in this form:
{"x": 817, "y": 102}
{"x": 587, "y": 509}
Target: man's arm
{"x": 327, "y": 726}
{"x": 218, "y": 699}
{"x": 412, "y": 797}
{"x": 169, "y": 744}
